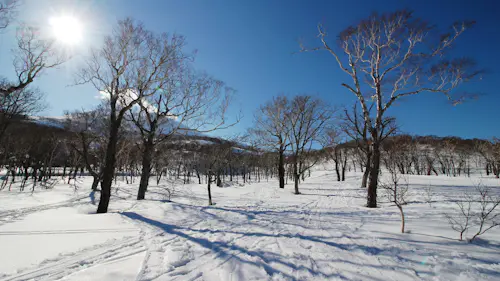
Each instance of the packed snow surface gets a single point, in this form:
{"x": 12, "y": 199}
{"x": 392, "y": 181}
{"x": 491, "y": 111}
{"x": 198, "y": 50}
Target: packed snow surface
{"x": 256, "y": 231}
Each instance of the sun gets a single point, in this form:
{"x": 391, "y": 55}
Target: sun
{"x": 67, "y": 29}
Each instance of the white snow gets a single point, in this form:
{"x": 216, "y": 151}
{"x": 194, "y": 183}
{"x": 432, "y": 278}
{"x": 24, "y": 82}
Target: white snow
{"x": 254, "y": 232}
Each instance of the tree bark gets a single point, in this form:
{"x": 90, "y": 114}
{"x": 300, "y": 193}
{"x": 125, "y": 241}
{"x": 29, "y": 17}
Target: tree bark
{"x": 368, "y": 165}
{"x": 219, "y": 182}
{"x": 402, "y": 219}
{"x": 147, "y": 159}
{"x": 374, "y": 172}
{"x": 109, "y": 168}
{"x": 281, "y": 167}
{"x": 296, "y": 178}
{"x": 344, "y": 165}
{"x": 337, "y": 169}
{"x": 95, "y": 183}
{"x": 209, "y": 190}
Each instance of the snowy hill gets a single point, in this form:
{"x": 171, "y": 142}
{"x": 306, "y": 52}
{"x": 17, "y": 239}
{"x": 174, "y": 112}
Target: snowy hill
{"x": 184, "y": 137}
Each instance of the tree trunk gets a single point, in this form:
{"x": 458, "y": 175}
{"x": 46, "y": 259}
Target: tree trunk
{"x": 147, "y": 158}
{"x": 219, "y": 182}
{"x": 74, "y": 173}
{"x": 95, "y": 183}
{"x": 337, "y": 170}
{"x": 296, "y": 178}
{"x": 281, "y": 167}
{"x": 343, "y": 168}
{"x": 368, "y": 165}
{"x": 209, "y": 190}
{"x": 402, "y": 219}
{"x": 374, "y": 172}
{"x": 109, "y": 168}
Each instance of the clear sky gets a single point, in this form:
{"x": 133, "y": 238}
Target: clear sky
{"x": 250, "y": 45}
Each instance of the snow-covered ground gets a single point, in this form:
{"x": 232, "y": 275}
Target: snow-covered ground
{"x": 254, "y": 232}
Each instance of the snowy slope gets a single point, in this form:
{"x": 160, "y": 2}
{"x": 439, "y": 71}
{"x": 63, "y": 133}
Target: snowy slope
{"x": 255, "y": 232}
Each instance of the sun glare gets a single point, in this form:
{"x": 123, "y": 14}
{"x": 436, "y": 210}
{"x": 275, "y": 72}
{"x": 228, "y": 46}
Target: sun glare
{"x": 67, "y": 29}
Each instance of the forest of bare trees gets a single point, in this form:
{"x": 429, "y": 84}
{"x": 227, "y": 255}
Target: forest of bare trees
{"x": 158, "y": 110}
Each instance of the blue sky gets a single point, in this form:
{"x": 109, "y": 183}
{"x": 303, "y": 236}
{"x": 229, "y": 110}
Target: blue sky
{"x": 250, "y": 45}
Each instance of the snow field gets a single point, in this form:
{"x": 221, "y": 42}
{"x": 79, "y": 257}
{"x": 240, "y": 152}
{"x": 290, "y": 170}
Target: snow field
{"x": 254, "y": 232}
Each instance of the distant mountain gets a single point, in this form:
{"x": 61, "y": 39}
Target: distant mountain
{"x": 57, "y": 122}
{"x": 185, "y": 137}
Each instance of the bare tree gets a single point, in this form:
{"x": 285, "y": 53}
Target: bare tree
{"x": 176, "y": 100}
{"x": 214, "y": 158}
{"x": 490, "y": 151}
{"x": 476, "y": 209}
{"x": 336, "y": 150}
{"x": 112, "y": 70}
{"x": 19, "y": 104}
{"x": 8, "y": 10}
{"x": 32, "y": 56}
{"x": 392, "y": 56}
{"x": 271, "y": 130}
{"x": 355, "y": 126}
{"x": 89, "y": 141}
{"x": 396, "y": 191}
{"x": 488, "y": 216}
{"x": 180, "y": 103}
{"x": 307, "y": 120}
{"x": 462, "y": 221}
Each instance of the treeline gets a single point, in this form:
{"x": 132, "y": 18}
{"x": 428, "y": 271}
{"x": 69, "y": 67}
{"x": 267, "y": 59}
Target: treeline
{"x": 40, "y": 152}
{"x": 425, "y": 155}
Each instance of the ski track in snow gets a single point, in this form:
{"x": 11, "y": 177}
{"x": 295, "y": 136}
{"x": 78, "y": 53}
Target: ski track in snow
{"x": 10, "y": 216}
{"x": 259, "y": 232}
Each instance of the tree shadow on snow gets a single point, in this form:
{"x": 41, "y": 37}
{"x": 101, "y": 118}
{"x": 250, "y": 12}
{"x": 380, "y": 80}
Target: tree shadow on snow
{"x": 266, "y": 258}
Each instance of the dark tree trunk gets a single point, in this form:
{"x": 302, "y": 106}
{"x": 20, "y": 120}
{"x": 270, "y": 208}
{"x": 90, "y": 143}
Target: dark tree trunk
{"x": 75, "y": 172}
{"x": 95, "y": 183}
{"x": 147, "y": 159}
{"x": 42, "y": 173}
{"x": 230, "y": 173}
{"x": 219, "y": 182}
{"x": 337, "y": 169}
{"x": 281, "y": 167}
{"x": 374, "y": 172}
{"x": 209, "y": 190}
{"x": 35, "y": 170}
{"x": 109, "y": 168}
{"x": 296, "y": 178}
{"x": 344, "y": 167}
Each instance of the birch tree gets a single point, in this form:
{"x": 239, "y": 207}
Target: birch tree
{"x": 393, "y": 56}
{"x": 307, "y": 120}
{"x": 271, "y": 130}
{"x": 175, "y": 98}
{"x": 113, "y": 70}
